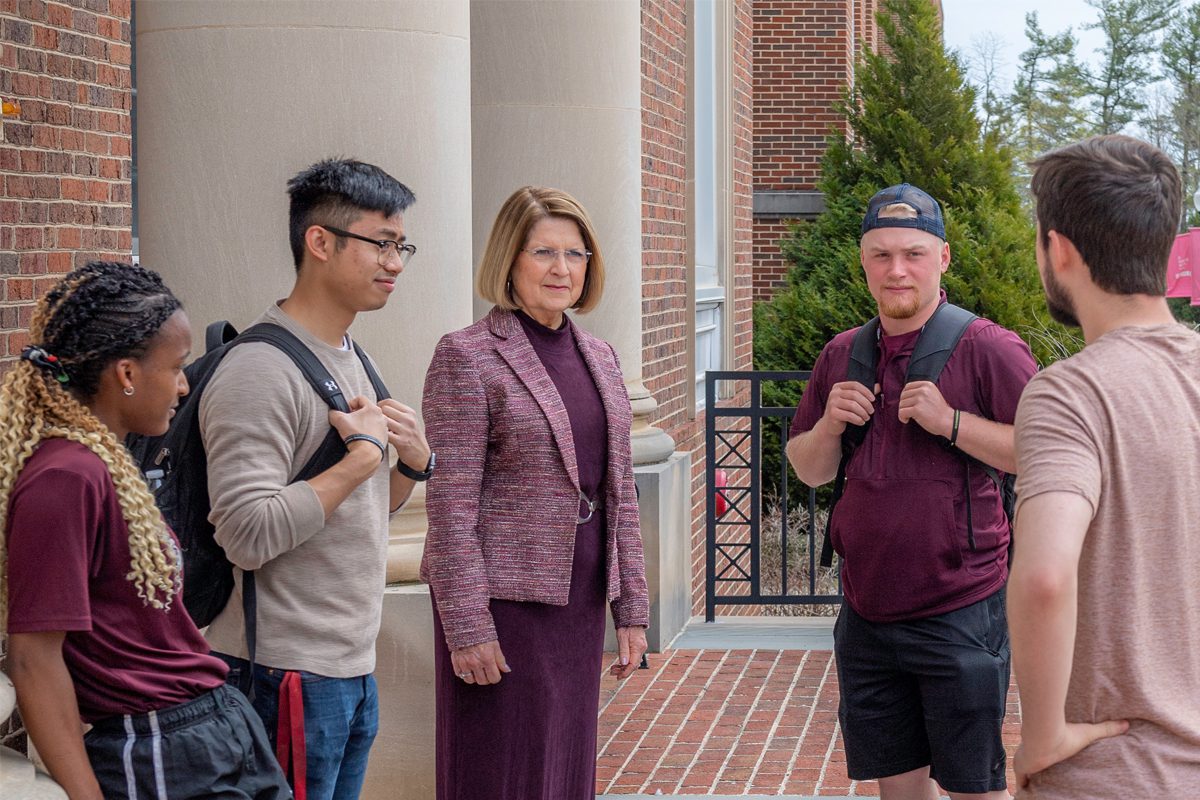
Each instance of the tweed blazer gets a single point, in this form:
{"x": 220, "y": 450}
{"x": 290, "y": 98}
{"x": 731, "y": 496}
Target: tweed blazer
{"x": 503, "y": 502}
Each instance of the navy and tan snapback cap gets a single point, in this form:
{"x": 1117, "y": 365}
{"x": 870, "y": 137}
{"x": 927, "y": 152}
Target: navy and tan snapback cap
{"x": 929, "y": 213}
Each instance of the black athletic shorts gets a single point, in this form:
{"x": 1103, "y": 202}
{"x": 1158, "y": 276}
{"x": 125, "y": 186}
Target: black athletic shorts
{"x": 211, "y": 747}
{"x": 926, "y": 692}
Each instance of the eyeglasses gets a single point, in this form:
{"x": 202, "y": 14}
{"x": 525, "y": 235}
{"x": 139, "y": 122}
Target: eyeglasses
{"x": 386, "y": 246}
{"x": 545, "y": 256}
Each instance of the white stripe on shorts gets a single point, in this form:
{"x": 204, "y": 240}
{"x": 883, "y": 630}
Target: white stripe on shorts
{"x": 160, "y": 780}
{"x": 127, "y": 758}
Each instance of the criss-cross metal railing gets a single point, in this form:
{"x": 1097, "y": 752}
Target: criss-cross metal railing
{"x": 733, "y": 436}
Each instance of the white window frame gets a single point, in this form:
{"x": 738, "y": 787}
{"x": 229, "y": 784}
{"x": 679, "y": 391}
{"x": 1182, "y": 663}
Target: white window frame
{"x": 709, "y": 210}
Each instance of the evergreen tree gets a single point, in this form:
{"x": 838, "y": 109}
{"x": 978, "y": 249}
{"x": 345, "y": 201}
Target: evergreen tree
{"x": 1131, "y": 31}
{"x": 1181, "y": 65}
{"x": 910, "y": 118}
{"x": 1047, "y": 101}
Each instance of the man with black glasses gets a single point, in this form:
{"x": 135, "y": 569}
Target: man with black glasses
{"x": 317, "y": 547}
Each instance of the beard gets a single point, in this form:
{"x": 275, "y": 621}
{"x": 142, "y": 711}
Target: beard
{"x": 1058, "y": 301}
{"x": 904, "y": 307}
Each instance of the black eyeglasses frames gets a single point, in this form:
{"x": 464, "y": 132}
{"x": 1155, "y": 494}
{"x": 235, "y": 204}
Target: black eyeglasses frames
{"x": 386, "y": 246}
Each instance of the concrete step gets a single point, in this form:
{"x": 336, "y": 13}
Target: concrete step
{"x": 756, "y": 633}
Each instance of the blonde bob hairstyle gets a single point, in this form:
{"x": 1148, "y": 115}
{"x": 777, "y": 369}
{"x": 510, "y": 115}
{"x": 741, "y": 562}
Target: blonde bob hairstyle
{"x": 521, "y": 211}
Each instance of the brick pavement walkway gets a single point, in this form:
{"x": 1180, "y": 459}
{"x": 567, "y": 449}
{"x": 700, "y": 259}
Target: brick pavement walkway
{"x": 732, "y": 722}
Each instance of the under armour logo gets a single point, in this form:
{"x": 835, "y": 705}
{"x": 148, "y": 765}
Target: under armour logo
{"x": 331, "y": 386}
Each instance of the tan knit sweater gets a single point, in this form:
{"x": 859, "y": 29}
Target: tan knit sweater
{"x": 319, "y": 581}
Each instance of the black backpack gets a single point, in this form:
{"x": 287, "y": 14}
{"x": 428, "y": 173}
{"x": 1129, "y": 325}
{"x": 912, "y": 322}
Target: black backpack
{"x": 176, "y": 467}
{"x": 933, "y": 348}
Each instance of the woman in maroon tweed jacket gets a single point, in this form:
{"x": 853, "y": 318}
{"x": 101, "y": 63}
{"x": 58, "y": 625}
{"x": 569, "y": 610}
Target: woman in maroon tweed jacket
{"x": 533, "y": 516}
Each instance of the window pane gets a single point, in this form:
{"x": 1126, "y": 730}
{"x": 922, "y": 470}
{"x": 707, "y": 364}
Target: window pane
{"x": 705, "y": 78}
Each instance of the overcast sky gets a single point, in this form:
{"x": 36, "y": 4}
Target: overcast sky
{"x": 965, "y": 20}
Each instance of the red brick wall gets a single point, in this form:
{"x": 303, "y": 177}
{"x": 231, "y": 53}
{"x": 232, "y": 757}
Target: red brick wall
{"x": 743, "y": 183}
{"x": 867, "y": 31}
{"x": 803, "y": 60}
{"x": 770, "y": 266}
{"x": 666, "y": 325}
{"x": 66, "y": 159}
{"x": 804, "y": 57}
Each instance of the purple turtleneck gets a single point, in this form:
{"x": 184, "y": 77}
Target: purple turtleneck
{"x": 589, "y": 424}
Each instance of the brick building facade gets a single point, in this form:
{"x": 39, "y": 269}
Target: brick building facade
{"x": 667, "y": 323}
{"x": 804, "y": 58}
{"x": 66, "y": 157}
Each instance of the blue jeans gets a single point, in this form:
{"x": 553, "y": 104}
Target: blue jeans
{"x": 341, "y": 718}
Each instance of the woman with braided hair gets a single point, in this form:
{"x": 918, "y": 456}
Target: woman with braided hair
{"x": 91, "y": 575}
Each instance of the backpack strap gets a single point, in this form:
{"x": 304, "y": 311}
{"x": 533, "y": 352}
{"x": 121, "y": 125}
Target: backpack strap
{"x": 328, "y": 453}
{"x": 305, "y": 360}
{"x": 935, "y": 344}
{"x": 331, "y": 449}
{"x": 864, "y": 361}
{"x": 217, "y": 334}
{"x": 937, "y": 341}
{"x": 381, "y": 390}
{"x": 863, "y": 368}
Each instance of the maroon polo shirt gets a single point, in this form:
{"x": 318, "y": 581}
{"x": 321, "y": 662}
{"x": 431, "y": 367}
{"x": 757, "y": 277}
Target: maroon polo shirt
{"x": 68, "y": 555}
{"x": 901, "y": 525}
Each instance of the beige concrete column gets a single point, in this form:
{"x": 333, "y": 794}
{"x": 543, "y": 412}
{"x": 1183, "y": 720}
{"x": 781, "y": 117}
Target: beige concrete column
{"x": 556, "y": 101}
{"x": 235, "y": 97}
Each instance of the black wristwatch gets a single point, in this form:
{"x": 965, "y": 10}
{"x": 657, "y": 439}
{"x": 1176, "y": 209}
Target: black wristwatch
{"x": 412, "y": 474}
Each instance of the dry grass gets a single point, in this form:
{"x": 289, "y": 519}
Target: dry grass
{"x": 798, "y": 573}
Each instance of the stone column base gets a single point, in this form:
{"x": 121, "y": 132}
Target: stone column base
{"x": 664, "y": 494}
{"x": 406, "y": 539}
{"x": 402, "y": 765}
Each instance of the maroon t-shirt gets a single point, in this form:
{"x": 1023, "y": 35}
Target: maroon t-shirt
{"x": 68, "y": 555}
{"x": 901, "y": 525}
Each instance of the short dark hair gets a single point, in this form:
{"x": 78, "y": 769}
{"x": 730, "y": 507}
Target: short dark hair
{"x": 1119, "y": 201}
{"x": 336, "y": 192}
{"x": 99, "y": 313}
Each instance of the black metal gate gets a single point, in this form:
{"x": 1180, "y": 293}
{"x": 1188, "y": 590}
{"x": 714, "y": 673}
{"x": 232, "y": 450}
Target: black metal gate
{"x": 733, "y": 439}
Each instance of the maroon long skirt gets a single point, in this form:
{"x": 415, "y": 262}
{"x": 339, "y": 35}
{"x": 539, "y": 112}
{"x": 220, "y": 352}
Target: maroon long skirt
{"x": 533, "y": 735}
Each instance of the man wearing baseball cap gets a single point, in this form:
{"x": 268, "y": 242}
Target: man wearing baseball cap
{"x": 921, "y": 642}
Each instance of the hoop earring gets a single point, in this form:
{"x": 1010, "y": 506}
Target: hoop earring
{"x": 128, "y": 391}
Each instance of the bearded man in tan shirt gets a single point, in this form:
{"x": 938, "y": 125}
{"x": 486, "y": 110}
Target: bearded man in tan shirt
{"x": 1104, "y": 598}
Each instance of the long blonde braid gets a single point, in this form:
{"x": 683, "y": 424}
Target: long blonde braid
{"x": 35, "y": 406}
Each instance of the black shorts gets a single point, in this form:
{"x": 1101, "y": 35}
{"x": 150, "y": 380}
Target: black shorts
{"x": 926, "y": 692}
{"x": 211, "y": 747}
